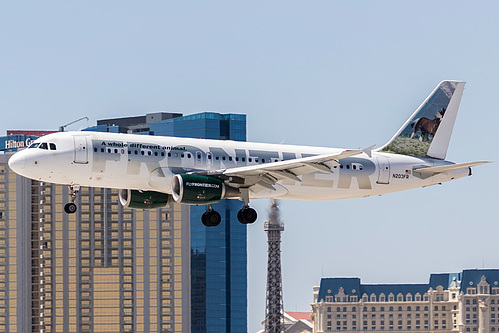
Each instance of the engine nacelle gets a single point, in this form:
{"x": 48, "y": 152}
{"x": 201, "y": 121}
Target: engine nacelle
{"x": 144, "y": 199}
{"x": 197, "y": 189}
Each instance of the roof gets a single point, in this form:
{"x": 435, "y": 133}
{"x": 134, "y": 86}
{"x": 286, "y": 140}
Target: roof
{"x": 472, "y": 277}
{"x": 299, "y": 315}
{"x": 394, "y": 289}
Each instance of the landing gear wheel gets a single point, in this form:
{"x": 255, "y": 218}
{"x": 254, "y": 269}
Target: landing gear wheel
{"x": 70, "y": 208}
{"x": 211, "y": 218}
{"x": 247, "y": 215}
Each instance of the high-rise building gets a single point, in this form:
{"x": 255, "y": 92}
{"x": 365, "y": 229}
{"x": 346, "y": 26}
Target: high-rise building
{"x": 451, "y": 302}
{"x": 104, "y": 269}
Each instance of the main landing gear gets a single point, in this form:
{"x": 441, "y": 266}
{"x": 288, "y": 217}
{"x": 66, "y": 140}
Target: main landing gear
{"x": 70, "y": 207}
{"x": 211, "y": 218}
{"x": 246, "y": 215}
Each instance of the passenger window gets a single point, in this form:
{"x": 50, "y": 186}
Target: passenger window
{"x": 52, "y": 146}
{"x": 43, "y": 145}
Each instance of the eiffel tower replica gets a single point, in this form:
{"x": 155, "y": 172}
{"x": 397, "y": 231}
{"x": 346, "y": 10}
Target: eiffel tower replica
{"x": 274, "y": 312}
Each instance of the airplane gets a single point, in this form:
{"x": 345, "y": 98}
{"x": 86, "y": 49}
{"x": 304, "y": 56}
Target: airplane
{"x": 152, "y": 171}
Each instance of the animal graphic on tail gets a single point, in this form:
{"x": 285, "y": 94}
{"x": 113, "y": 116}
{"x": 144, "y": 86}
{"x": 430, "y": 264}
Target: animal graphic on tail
{"x": 426, "y": 126}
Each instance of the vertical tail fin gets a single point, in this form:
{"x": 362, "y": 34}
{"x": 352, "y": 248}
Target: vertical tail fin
{"x": 427, "y": 132}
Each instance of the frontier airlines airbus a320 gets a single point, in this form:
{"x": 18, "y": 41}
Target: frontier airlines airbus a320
{"x": 152, "y": 171}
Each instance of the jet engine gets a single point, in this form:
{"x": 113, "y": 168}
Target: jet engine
{"x": 144, "y": 199}
{"x": 197, "y": 189}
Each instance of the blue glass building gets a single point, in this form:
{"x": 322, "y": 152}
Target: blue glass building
{"x": 218, "y": 254}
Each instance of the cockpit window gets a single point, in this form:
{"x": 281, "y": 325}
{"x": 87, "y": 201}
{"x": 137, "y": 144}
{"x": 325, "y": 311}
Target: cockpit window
{"x": 34, "y": 145}
{"x": 52, "y": 146}
{"x": 43, "y": 145}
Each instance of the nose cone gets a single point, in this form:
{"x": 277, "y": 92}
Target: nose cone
{"x": 17, "y": 163}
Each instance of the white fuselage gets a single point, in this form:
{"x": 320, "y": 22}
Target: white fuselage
{"x": 142, "y": 162}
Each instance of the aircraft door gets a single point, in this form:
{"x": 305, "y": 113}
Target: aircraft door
{"x": 383, "y": 170}
{"x": 81, "y": 149}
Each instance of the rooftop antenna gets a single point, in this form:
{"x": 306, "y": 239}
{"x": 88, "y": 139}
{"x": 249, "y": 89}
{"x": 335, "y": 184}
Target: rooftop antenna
{"x": 61, "y": 128}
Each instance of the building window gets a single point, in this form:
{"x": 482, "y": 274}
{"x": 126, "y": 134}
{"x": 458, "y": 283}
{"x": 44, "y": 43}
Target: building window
{"x": 471, "y": 291}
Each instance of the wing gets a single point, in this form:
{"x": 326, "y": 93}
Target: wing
{"x": 256, "y": 177}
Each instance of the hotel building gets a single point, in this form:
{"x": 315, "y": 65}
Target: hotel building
{"x": 452, "y": 302}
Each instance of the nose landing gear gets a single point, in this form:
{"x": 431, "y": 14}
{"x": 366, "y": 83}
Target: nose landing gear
{"x": 70, "y": 208}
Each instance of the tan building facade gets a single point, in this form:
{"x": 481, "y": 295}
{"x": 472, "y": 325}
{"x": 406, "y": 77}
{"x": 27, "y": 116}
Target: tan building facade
{"x": 104, "y": 269}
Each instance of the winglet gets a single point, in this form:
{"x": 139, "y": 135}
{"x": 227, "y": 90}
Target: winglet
{"x": 368, "y": 150}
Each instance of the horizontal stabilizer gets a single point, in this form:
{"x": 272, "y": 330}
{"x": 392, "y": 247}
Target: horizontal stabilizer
{"x": 444, "y": 168}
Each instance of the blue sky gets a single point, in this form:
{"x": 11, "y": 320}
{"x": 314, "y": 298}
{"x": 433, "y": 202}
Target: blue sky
{"x": 324, "y": 73}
